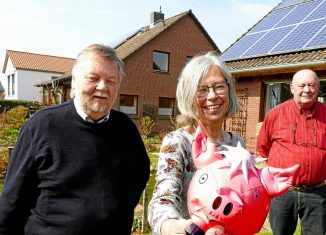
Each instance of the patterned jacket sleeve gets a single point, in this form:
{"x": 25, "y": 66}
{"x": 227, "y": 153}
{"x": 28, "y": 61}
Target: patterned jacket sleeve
{"x": 167, "y": 197}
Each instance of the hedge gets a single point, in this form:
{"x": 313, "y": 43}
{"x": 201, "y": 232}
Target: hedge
{"x": 6, "y": 105}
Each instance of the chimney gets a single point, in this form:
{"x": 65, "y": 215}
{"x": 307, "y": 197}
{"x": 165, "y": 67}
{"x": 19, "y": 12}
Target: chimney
{"x": 156, "y": 17}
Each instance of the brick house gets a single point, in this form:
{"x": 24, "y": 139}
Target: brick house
{"x": 23, "y": 69}
{"x": 263, "y": 73}
{"x": 154, "y": 56}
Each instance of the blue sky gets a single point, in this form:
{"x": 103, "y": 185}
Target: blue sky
{"x": 64, "y": 27}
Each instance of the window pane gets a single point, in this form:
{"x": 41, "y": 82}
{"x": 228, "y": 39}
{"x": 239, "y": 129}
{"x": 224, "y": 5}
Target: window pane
{"x": 166, "y": 107}
{"x": 160, "y": 61}
{"x": 188, "y": 59}
{"x": 13, "y": 84}
{"x": 276, "y": 93}
{"x": 9, "y": 93}
{"x": 322, "y": 91}
{"x": 128, "y": 104}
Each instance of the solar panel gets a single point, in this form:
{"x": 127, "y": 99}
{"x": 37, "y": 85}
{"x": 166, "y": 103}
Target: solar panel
{"x": 297, "y": 26}
{"x": 298, "y": 14}
{"x": 320, "y": 12}
{"x": 240, "y": 46}
{"x": 300, "y": 36}
{"x": 268, "y": 41}
{"x": 118, "y": 41}
{"x": 271, "y": 20}
{"x": 288, "y": 3}
{"x": 319, "y": 39}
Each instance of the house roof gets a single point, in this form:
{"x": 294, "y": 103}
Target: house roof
{"x": 63, "y": 78}
{"x": 38, "y": 62}
{"x": 242, "y": 61}
{"x": 139, "y": 38}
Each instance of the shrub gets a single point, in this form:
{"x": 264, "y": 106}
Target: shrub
{"x": 10, "y": 124}
{"x": 147, "y": 125}
{"x": 137, "y": 224}
{"x": 6, "y": 105}
{"x": 4, "y": 157}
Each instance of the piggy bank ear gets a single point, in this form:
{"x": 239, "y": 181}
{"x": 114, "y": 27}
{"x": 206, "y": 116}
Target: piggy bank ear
{"x": 199, "y": 143}
{"x": 276, "y": 180}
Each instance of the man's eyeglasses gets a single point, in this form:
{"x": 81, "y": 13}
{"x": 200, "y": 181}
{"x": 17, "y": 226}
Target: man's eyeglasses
{"x": 306, "y": 137}
{"x": 218, "y": 88}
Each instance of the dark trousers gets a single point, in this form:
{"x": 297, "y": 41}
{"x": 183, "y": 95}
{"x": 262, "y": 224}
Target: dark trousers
{"x": 310, "y": 207}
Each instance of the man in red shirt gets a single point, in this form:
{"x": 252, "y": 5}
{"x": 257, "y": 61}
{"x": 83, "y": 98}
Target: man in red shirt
{"x": 294, "y": 132}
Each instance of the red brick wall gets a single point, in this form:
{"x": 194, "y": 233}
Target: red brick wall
{"x": 253, "y": 108}
{"x": 184, "y": 38}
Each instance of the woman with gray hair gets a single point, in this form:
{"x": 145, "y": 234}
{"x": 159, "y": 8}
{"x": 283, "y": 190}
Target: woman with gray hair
{"x": 206, "y": 97}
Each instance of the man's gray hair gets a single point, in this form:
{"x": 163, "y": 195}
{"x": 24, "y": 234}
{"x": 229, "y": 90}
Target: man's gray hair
{"x": 103, "y": 51}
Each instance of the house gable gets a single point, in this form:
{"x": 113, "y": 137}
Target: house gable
{"x": 155, "y": 91}
{"x": 23, "y": 70}
{"x": 143, "y": 36}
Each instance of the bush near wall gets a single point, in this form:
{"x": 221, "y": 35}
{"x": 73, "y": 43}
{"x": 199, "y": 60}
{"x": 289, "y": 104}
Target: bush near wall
{"x": 6, "y": 105}
{"x": 4, "y": 157}
{"x": 10, "y": 124}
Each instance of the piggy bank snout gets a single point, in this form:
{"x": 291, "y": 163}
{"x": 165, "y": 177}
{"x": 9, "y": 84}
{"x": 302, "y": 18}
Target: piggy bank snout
{"x": 227, "y": 207}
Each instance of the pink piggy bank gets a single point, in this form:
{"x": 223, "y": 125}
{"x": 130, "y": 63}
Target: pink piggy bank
{"x": 228, "y": 190}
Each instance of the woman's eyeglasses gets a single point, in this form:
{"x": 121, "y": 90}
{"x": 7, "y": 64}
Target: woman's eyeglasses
{"x": 218, "y": 88}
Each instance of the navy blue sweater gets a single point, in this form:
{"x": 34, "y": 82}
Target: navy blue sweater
{"x": 68, "y": 176}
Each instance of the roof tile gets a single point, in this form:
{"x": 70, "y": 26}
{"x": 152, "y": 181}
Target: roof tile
{"x": 295, "y": 57}
{"x": 32, "y": 61}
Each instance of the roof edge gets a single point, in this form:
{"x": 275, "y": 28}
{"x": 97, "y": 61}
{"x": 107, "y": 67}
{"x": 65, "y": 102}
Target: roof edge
{"x": 189, "y": 12}
{"x": 275, "y": 67}
{"x": 5, "y": 62}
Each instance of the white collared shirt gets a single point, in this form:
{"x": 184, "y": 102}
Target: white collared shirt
{"x": 84, "y": 116}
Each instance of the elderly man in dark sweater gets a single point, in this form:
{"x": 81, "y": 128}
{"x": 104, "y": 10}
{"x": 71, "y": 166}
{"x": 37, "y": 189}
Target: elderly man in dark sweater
{"x": 78, "y": 167}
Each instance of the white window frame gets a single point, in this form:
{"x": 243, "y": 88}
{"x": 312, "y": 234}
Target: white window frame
{"x": 164, "y": 111}
{"x": 131, "y": 110}
{"x": 159, "y": 59}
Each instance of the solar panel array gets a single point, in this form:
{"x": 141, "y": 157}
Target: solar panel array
{"x": 296, "y": 27}
{"x": 120, "y": 40}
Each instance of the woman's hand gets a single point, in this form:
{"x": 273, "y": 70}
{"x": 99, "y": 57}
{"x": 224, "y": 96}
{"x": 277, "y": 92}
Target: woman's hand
{"x": 174, "y": 226}
{"x": 178, "y": 226}
{"x": 217, "y": 230}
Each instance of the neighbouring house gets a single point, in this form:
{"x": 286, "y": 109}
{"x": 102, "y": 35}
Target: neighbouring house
{"x": 23, "y": 70}
{"x": 154, "y": 56}
{"x": 263, "y": 60}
